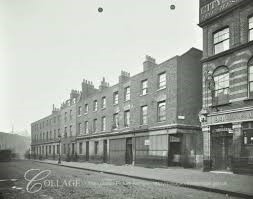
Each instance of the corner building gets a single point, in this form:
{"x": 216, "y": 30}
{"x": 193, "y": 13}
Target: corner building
{"x": 227, "y": 113}
{"x": 149, "y": 119}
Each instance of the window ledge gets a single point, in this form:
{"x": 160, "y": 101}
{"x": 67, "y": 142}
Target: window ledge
{"x": 161, "y": 89}
{"x": 249, "y": 99}
{"x": 219, "y": 105}
{"x": 143, "y": 94}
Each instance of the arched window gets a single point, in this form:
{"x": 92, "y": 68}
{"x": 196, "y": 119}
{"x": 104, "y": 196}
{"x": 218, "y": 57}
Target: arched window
{"x": 250, "y": 79}
{"x": 221, "y": 88}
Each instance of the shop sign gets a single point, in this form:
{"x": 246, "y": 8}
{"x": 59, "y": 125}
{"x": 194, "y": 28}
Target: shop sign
{"x": 147, "y": 142}
{"x": 174, "y": 139}
{"x": 215, "y": 7}
{"x": 230, "y": 117}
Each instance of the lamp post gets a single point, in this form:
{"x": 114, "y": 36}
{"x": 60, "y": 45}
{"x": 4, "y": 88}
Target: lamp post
{"x": 59, "y": 159}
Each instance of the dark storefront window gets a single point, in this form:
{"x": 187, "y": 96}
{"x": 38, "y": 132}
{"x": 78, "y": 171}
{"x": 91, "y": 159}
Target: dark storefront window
{"x": 96, "y": 147}
{"x": 248, "y": 132}
{"x": 221, "y": 91}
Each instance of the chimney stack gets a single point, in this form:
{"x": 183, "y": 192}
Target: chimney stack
{"x": 103, "y": 84}
{"x": 124, "y": 76}
{"x": 149, "y": 63}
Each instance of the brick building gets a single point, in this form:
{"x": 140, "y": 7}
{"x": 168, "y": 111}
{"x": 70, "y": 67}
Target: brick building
{"x": 147, "y": 119}
{"x": 227, "y": 113}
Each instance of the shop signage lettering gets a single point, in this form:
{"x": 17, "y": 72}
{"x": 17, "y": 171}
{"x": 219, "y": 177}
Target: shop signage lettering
{"x": 215, "y": 7}
{"x": 147, "y": 142}
{"x": 239, "y": 116}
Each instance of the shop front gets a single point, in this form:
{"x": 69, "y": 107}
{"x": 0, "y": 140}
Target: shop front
{"x": 228, "y": 140}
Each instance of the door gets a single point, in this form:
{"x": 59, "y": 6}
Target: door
{"x": 221, "y": 152}
{"x": 129, "y": 151}
{"x": 73, "y": 148}
{"x": 174, "y": 150}
{"x": 105, "y": 152}
{"x": 87, "y": 151}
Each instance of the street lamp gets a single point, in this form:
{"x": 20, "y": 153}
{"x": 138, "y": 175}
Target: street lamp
{"x": 59, "y": 152}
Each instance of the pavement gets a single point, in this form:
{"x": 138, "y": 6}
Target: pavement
{"x": 218, "y": 182}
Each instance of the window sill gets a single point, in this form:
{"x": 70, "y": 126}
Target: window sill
{"x": 144, "y": 94}
{"x": 248, "y": 99}
{"x": 219, "y": 105}
{"x": 160, "y": 89}
{"x": 127, "y": 101}
{"x": 103, "y": 108}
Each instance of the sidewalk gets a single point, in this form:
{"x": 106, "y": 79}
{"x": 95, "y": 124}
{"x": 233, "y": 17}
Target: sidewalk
{"x": 231, "y": 184}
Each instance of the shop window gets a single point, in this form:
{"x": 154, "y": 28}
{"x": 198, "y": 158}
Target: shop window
{"x": 80, "y": 148}
{"x": 221, "y": 40}
{"x": 247, "y": 132}
{"x": 221, "y": 88}
{"x": 96, "y": 147}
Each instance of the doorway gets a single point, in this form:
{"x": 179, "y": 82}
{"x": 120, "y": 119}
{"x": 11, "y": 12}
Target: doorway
{"x": 174, "y": 154}
{"x": 129, "y": 151}
{"x": 105, "y": 151}
{"x": 221, "y": 152}
{"x": 87, "y": 151}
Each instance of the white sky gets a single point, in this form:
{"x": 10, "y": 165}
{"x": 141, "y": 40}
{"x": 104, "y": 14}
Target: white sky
{"x": 48, "y": 46}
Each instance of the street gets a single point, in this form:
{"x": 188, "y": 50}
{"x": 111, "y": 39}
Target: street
{"x": 61, "y": 182}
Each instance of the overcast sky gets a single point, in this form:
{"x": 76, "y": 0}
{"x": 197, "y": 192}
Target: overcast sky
{"x": 48, "y": 46}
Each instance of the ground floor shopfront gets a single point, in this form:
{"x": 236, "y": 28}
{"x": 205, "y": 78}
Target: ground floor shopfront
{"x": 228, "y": 141}
{"x": 150, "y": 148}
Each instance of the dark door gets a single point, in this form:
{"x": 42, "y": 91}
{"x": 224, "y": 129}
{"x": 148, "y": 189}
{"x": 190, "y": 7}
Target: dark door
{"x": 174, "y": 153}
{"x": 105, "y": 151}
{"x": 73, "y": 148}
{"x": 87, "y": 151}
{"x": 129, "y": 151}
{"x": 221, "y": 152}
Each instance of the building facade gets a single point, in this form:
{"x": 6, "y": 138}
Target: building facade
{"x": 227, "y": 113}
{"x": 148, "y": 119}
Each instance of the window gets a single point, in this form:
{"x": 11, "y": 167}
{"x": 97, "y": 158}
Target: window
{"x": 96, "y": 147}
{"x": 221, "y": 40}
{"x": 64, "y": 148}
{"x": 103, "y": 104}
{"x": 65, "y": 116}
{"x": 115, "y": 120}
{"x": 80, "y": 147}
{"x": 127, "y": 118}
{"x": 127, "y": 93}
{"x": 162, "y": 81}
{"x": 54, "y": 134}
{"x": 70, "y": 130}
{"x": 86, "y": 127}
{"x": 58, "y": 148}
{"x": 221, "y": 88}
{"x": 144, "y": 115}
{"x": 250, "y": 78}
{"x": 116, "y": 97}
{"x": 161, "y": 115}
{"x": 86, "y": 108}
{"x": 247, "y": 132}
{"x": 50, "y": 135}
{"x": 50, "y": 149}
{"x": 70, "y": 114}
{"x": 95, "y": 125}
{"x": 79, "y": 110}
{"x": 250, "y": 28}
{"x": 47, "y": 135}
{"x": 59, "y": 133}
{"x": 95, "y": 105}
{"x": 144, "y": 87}
{"x": 79, "y": 128}
{"x": 65, "y": 132}
{"x": 103, "y": 127}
